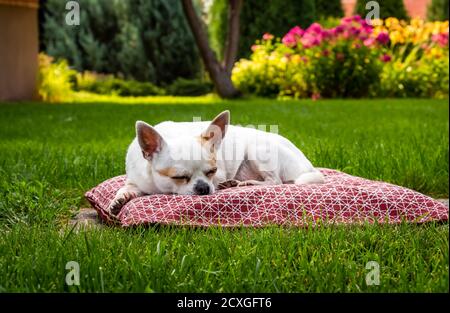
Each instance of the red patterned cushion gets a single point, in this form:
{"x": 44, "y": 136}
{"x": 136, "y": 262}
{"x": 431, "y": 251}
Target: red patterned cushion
{"x": 342, "y": 199}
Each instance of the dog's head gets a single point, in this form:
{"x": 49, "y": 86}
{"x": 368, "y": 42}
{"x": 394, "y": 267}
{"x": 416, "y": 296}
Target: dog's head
{"x": 184, "y": 165}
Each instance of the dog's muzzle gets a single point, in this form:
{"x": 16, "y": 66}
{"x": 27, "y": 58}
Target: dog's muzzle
{"x": 201, "y": 188}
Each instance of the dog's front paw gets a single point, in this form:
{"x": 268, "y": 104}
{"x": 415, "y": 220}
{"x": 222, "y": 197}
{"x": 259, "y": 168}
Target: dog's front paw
{"x": 228, "y": 184}
{"x": 247, "y": 183}
{"x": 118, "y": 202}
{"x": 116, "y": 205}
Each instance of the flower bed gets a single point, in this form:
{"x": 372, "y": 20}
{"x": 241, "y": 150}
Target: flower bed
{"x": 353, "y": 59}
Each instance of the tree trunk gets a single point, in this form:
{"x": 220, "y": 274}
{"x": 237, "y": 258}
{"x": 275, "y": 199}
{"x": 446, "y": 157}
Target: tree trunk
{"x": 219, "y": 75}
{"x": 232, "y": 44}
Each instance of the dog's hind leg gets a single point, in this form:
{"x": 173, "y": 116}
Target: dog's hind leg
{"x": 123, "y": 195}
{"x": 255, "y": 173}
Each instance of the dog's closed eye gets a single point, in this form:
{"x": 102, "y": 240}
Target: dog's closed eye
{"x": 211, "y": 172}
{"x": 181, "y": 178}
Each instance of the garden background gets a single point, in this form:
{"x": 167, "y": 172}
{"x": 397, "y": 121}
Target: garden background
{"x": 369, "y": 99}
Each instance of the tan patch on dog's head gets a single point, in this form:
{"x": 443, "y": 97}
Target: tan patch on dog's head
{"x": 212, "y": 160}
{"x": 168, "y": 171}
{"x": 203, "y": 140}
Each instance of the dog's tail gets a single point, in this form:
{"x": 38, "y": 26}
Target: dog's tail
{"x": 314, "y": 177}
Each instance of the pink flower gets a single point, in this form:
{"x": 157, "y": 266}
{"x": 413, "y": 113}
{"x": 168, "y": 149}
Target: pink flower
{"x": 346, "y": 34}
{"x": 354, "y": 31}
{"x": 267, "y": 36}
{"x": 337, "y": 30}
{"x": 289, "y": 40}
{"x": 383, "y": 38}
{"x": 292, "y": 37}
{"x": 314, "y": 28}
{"x": 327, "y": 33}
{"x": 385, "y": 58}
{"x": 440, "y": 39}
{"x": 357, "y": 18}
{"x": 254, "y": 47}
{"x": 346, "y": 20}
{"x": 297, "y": 31}
{"x": 315, "y": 96}
{"x": 366, "y": 27}
{"x": 309, "y": 40}
{"x": 326, "y": 52}
{"x": 369, "y": 42}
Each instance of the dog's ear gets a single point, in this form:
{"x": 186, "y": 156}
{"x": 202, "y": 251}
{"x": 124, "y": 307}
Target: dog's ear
{"x": 150, "y": 141}
{"x": 215, "y": 132}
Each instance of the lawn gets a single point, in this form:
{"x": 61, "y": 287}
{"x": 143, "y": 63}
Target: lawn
{"x": 52, "y": 153}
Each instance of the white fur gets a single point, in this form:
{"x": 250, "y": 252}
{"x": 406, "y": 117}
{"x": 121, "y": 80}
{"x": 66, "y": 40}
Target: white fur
{"x": 241, "y": 155}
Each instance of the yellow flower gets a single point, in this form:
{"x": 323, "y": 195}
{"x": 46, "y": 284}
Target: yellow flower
{"x": 391, "y": 21}
{"x": 436, "y": 52}
{"x": 417, "y": 23}
{"x": 296, "y": 59}
{"x": 396, "y": 37}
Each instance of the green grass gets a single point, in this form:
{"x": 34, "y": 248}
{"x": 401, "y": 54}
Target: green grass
{"x": 51, "y": 154}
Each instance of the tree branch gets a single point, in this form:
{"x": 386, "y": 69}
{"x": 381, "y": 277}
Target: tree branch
{"x": 220, "y": 77}
{"x": 200, "y": 36}
{"x": 232, "y": 43}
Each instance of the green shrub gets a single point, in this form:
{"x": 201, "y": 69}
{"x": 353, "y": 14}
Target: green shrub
{"x": 426, "y": 76}
{"x": 258, "y": 17}
{"x": 388, "y": 8}
{"x": 326, "y": 8}
{"x": 329, "y": 22}
{"x": 351, "y": 77}
{"x": 109, "y": 85}
{"x": 353, "y": 59}
{"x": 189, "y": 87}
{"x": 139, "y": 39}
{"x": 54, "y": 79}
{"x": 437, "y": 10}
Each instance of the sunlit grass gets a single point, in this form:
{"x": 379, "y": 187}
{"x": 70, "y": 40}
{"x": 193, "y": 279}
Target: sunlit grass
{"x": 86, "y": 97}
{"x": 52, "y": 153}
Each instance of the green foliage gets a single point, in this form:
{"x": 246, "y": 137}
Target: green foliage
{"x": 54, "y": 79}
{"x": 218, "y": 26}
{"x": 388, "y": 8}
{"x": 329, "y": 22}
{"x": 189, "y": 87}
{"x": 426, "y": 77}
{"x": 109, "y": 85}
{"x": 139, "y": 39}
{"x": 438, "y": 10}
{"x": 258, "y": 17}
{"x": 327, "y": 8}
{"x": 345, "y": 73}
{"x": 275, "y": 17}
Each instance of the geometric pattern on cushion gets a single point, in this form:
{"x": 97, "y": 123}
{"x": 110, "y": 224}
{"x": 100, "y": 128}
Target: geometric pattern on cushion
{"x": 342, "y": 199}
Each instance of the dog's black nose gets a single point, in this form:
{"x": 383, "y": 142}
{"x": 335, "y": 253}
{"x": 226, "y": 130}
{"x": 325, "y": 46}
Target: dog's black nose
{"x": 201, "y": 188}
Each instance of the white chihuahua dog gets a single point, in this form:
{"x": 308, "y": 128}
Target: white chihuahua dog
{"x": 194, "y": 158}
